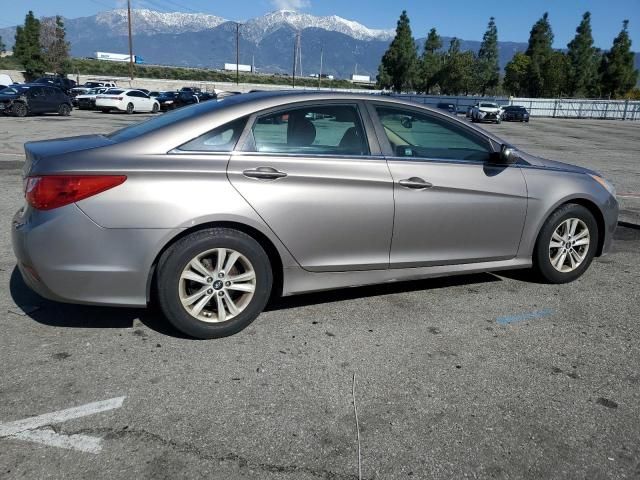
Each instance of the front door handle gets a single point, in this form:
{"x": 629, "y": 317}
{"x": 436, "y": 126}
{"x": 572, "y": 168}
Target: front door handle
{"x": 264, "y": 173}
{"x": 416, "y": 183}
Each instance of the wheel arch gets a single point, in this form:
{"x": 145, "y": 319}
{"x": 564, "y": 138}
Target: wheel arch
{"x": 593, "y": 209}
{"x": 265, "y": 242}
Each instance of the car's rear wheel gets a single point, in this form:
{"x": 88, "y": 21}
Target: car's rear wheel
{"x": 566, "y": 244}
{"x": 19, "y": 110}
{"x": 155, "y": 108}
{"x": 213, "y": 283}
{"x": 129, "y": 108}
{"x": 64, "y": 110}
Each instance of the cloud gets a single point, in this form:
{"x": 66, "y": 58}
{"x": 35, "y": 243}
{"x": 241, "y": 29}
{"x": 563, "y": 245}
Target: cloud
{"x": 290, "y": 4}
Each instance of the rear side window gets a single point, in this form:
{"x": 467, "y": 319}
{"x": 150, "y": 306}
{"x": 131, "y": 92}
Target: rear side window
{"x": 412, "y": 134}
{"x": 220, "y": 139}
{"x": 311, "y": 130}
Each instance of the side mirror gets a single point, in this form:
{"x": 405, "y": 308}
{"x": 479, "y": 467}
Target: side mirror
{"x": 506, "y": 156}
{"x": 406, "y": 122}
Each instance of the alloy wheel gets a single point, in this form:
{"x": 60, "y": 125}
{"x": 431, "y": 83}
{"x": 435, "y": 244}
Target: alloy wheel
{"x": 569, "y": 245}
{"x": 217, "y": 285}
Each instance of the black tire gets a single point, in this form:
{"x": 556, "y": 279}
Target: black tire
{"x": 19, "y": 110}
{"x": 175, "y": 259}
{"x": 155, "y": 108}
{"x": 64, "y": 110}
{"x": 541, "y": 261}
{"x": 129, "y": 108}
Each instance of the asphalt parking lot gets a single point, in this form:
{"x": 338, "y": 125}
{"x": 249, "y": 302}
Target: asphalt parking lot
{"x": 478, "y": 376}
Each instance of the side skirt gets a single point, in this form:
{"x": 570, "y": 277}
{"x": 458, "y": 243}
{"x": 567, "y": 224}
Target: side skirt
{"x": 298, "y": 280}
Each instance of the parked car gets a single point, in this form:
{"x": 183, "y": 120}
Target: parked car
{"x": 87, "y": 101}
{"x": 166, "y": 100}
{"x": 84, "y": 88}
{"x": 515, "y": 113}
{"x": 470, "y": 110}
{"x": 63, "y": 83}
{"x": 129, "y": 101}
{"x": 154, "y": 93}
{"x": 449, "y": 107}
{"x": 302, "y": 205}
{"x": 184, "y": 98}
{"x": 486, "y": 112}
{"x": 33, "y": 98}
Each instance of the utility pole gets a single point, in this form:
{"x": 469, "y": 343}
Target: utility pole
{"x": 237, "y": 53}
{"x": 130, "y": 41}
{"x": 295, "y": 57}
{"x": 320, "y": 74}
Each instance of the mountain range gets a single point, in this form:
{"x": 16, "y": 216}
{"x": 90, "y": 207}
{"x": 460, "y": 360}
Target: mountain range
{"x": 201, "y": 40}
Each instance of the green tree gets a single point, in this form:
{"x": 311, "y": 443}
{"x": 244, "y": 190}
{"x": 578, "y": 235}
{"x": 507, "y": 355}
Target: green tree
{"x": 457, "y": 73}
{"x": 515, "y": 75}
{"x": 555, "y": 74}
{"x": 539, "y": 50}
{"x": 55, "y": 47}
{"x": 617, "y": 68}
{"x": 3, "y": 47}
{"x": 487, "y": 68}
{"x": 399, "y": 63}
{"x": 27, "y": 49}
{"x": 431, "y": 62}
{"x": 582, "y": 59}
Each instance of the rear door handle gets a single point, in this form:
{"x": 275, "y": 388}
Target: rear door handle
{"x": 264, "y": 173}
{"x": 416, "y": 183}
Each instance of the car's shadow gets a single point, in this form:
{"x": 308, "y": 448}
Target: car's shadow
{"x": 65, "y": 315}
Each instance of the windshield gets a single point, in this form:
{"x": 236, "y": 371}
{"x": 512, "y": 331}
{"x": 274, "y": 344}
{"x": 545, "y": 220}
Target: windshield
{"x": 167, "y": 95}
{"x": 13, "y": 90}
{"x": 489, "y": 105}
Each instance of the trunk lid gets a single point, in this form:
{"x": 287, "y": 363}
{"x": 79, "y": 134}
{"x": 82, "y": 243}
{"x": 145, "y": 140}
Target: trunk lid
{"x": 42, "y": 151}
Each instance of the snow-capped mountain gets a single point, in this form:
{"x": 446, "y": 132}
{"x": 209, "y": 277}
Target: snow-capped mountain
{"x": 258, "y": 28}
{"x": 150, "y": 22}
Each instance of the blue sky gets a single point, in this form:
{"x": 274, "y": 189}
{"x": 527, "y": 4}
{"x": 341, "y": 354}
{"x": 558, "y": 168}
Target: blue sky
{"x": 465, "y": 19}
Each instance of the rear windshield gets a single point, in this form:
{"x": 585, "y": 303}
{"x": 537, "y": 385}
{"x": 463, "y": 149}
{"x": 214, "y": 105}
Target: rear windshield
{"x": 165, "y": 119}
{"x": 114, "y": 92}
{"x": 489, "y": 105}
{"x": 14, "y": 89}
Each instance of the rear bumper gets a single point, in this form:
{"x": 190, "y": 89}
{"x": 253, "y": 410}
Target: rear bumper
{"x": 64, "y": 256}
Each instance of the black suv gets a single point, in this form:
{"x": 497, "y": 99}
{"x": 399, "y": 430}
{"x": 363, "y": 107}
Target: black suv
{"x": 31, "y": 98}
{"x": 62, "y": 83}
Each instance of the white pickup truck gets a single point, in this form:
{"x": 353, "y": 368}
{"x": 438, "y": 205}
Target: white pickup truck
{"x": 486, "y": 112}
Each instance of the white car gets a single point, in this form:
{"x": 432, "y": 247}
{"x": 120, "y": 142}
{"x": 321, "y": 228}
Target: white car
{"x": 486, "y": 112}
{"x": 129, "y": 100}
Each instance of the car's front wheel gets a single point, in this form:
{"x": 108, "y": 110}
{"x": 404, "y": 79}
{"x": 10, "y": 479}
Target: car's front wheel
{"x": 19, "y": 109}
{"x": 566, "y": 244}
{"x": 213, "y": 283}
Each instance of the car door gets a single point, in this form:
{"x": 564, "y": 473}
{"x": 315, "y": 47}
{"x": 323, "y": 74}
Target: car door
{"x": 452, "y": 204}
{"x": 36, "y": 99}
{"x": 312, "y": 175}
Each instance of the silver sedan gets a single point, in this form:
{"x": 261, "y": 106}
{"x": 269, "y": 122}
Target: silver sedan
{"x": 213, "y": 208}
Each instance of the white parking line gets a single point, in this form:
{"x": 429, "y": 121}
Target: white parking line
{"x": 12, "y": 154}
{"x": 26, "y": 429}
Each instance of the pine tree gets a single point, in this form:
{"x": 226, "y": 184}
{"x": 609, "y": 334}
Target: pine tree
{"x": 3, "y": 47}
{"x": 555, "y": 74}
{"x": 583, "y": 69}
{"x": 55, "y": 47}
{"x": 27, "y": 49}
{"x": 431, "y": 62}
{"x": 399, "y": 63}
{"x": 457, "y": 73}
{"x": 617, "y": 68}
{"x": 515, "y": 75}
{"x": 487, "y": 68}
{"x": 539, "y": 50}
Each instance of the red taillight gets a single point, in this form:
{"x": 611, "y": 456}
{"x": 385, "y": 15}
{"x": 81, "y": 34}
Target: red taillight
{"x": 53, "y": 191}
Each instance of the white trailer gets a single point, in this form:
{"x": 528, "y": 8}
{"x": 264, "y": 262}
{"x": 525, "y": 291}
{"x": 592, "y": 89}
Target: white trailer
{"x": 231, "y": 67}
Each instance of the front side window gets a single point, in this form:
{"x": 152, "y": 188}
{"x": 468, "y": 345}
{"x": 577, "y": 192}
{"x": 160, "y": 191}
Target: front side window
{"x": 311, "y": 130}
{"x": 220, "y": 139}
{"x": 418, "y": 135}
